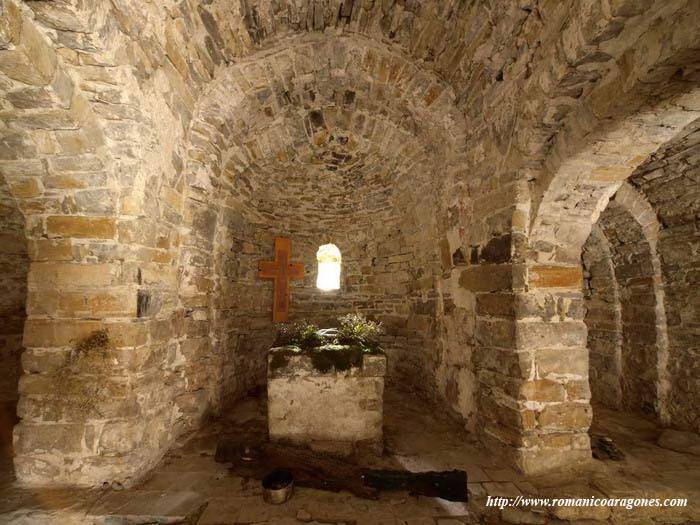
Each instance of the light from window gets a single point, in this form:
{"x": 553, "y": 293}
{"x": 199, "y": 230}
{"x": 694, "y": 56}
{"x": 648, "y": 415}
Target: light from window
{"x": 328, "y": 257}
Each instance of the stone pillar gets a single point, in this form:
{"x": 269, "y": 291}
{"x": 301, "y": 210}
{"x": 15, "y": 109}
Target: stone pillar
{"x": 77, "y": 403}
{"x": 532, "y": 363}
{"x": 96, "y": 397}
{"x": 498, "y": 366}
{"x": 554, "y": 398}
{"x": 95, "y": 401}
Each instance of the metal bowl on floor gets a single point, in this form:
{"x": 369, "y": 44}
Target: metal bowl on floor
{"x": 278, "y": 487}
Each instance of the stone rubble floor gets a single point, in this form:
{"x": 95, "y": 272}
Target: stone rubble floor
{"x": 188, "y": 487}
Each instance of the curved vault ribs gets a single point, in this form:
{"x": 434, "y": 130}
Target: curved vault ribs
{"x": 669, "y": 181}
{"x": 316, "y": 136}
{"x": 588, "y": 162}
{"x": 584, "y": 182}
{"x": 260, "y": 112}
{"x": 246, "y": 124}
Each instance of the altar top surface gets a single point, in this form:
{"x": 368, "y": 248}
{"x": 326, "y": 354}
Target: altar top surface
{"x": 330, "y": 359}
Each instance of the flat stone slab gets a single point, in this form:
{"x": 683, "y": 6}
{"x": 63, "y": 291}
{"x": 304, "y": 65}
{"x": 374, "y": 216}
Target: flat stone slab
{"x": 148, "y": 506}
{"x": 39, "y": 506}
{"x": 686, "y": 442}
{"x": 226, "y": 511}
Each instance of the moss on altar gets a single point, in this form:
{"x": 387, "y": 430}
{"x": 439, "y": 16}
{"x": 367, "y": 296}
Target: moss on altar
{"x": 326, "y": 357}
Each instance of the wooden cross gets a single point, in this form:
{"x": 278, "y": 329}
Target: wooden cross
{"x": 281, "y": 270}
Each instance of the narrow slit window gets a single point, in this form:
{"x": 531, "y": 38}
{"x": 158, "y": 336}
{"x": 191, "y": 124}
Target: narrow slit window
{"x": 328, "y": 257}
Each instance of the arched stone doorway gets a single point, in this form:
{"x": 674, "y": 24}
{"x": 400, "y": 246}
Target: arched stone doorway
{"x": 350, "y": 158}
{"x": 625, "y": 308}
{"x": 576, "y": 199}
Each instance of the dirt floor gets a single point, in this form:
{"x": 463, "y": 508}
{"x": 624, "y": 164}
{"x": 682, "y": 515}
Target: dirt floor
{"x": 190, "y": 487}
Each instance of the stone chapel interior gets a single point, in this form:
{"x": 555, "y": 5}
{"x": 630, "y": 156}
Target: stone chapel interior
{"x": 513, "y": 187}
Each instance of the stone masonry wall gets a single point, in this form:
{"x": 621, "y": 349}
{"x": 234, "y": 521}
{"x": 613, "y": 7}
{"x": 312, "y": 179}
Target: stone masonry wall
{"x": 62, "y": 184}
{"x": 96, "y": 187}
{"x": 669, "y": 180}
{"x": 634, "y": 272}
{"x": 603, "y": 321}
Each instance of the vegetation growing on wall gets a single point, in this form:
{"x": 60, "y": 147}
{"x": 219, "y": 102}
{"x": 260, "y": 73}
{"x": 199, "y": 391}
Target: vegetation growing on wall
{"x": 88, "y": 357}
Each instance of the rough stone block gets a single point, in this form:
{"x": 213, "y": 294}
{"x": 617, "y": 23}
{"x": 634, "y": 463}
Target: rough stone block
{"x": 552, "y": 335}
{"x": 500, "y": 333}
{"x": 578, "y": 390}
{"x": 50, "y": 250}
{"x": 55, "y": 274}
{"x": 60, "y": 438}
{"x": 10, "y": 24}
{"x": 120, "y": 437}
{"x": 542, "y": 390}
{"x": 487, "y": 277}
{"x": 32, "y": 469}
{"x": 61, "y": 332}
{"x": 76, "y": 163}
{"x": 556, "y": 277}
{"x": 26, "y": 188}
{"x": 495, "y": 304}
{"x": 373, "y": 365}
{"x": 120, "y": 303}
{"x": 307, "y": 406}
{"x": 565, "y": 416}
{"x": 81, "y": 227}
{"x": 537, "y": 461}
{"x": 557, "y": 362}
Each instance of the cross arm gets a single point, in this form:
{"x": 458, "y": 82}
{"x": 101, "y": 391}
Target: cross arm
{"x": 267, "y": 269}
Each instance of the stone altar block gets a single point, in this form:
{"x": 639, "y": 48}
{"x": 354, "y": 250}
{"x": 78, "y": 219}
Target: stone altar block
{"x": 329, "y": 411}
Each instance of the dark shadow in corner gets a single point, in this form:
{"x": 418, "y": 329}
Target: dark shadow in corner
{"x": 14, "y": 267}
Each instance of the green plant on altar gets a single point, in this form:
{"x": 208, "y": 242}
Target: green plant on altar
{"x": 340, "y": 351}
{"x": 357, "y": 329}
{"x": 299, "y": 333}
